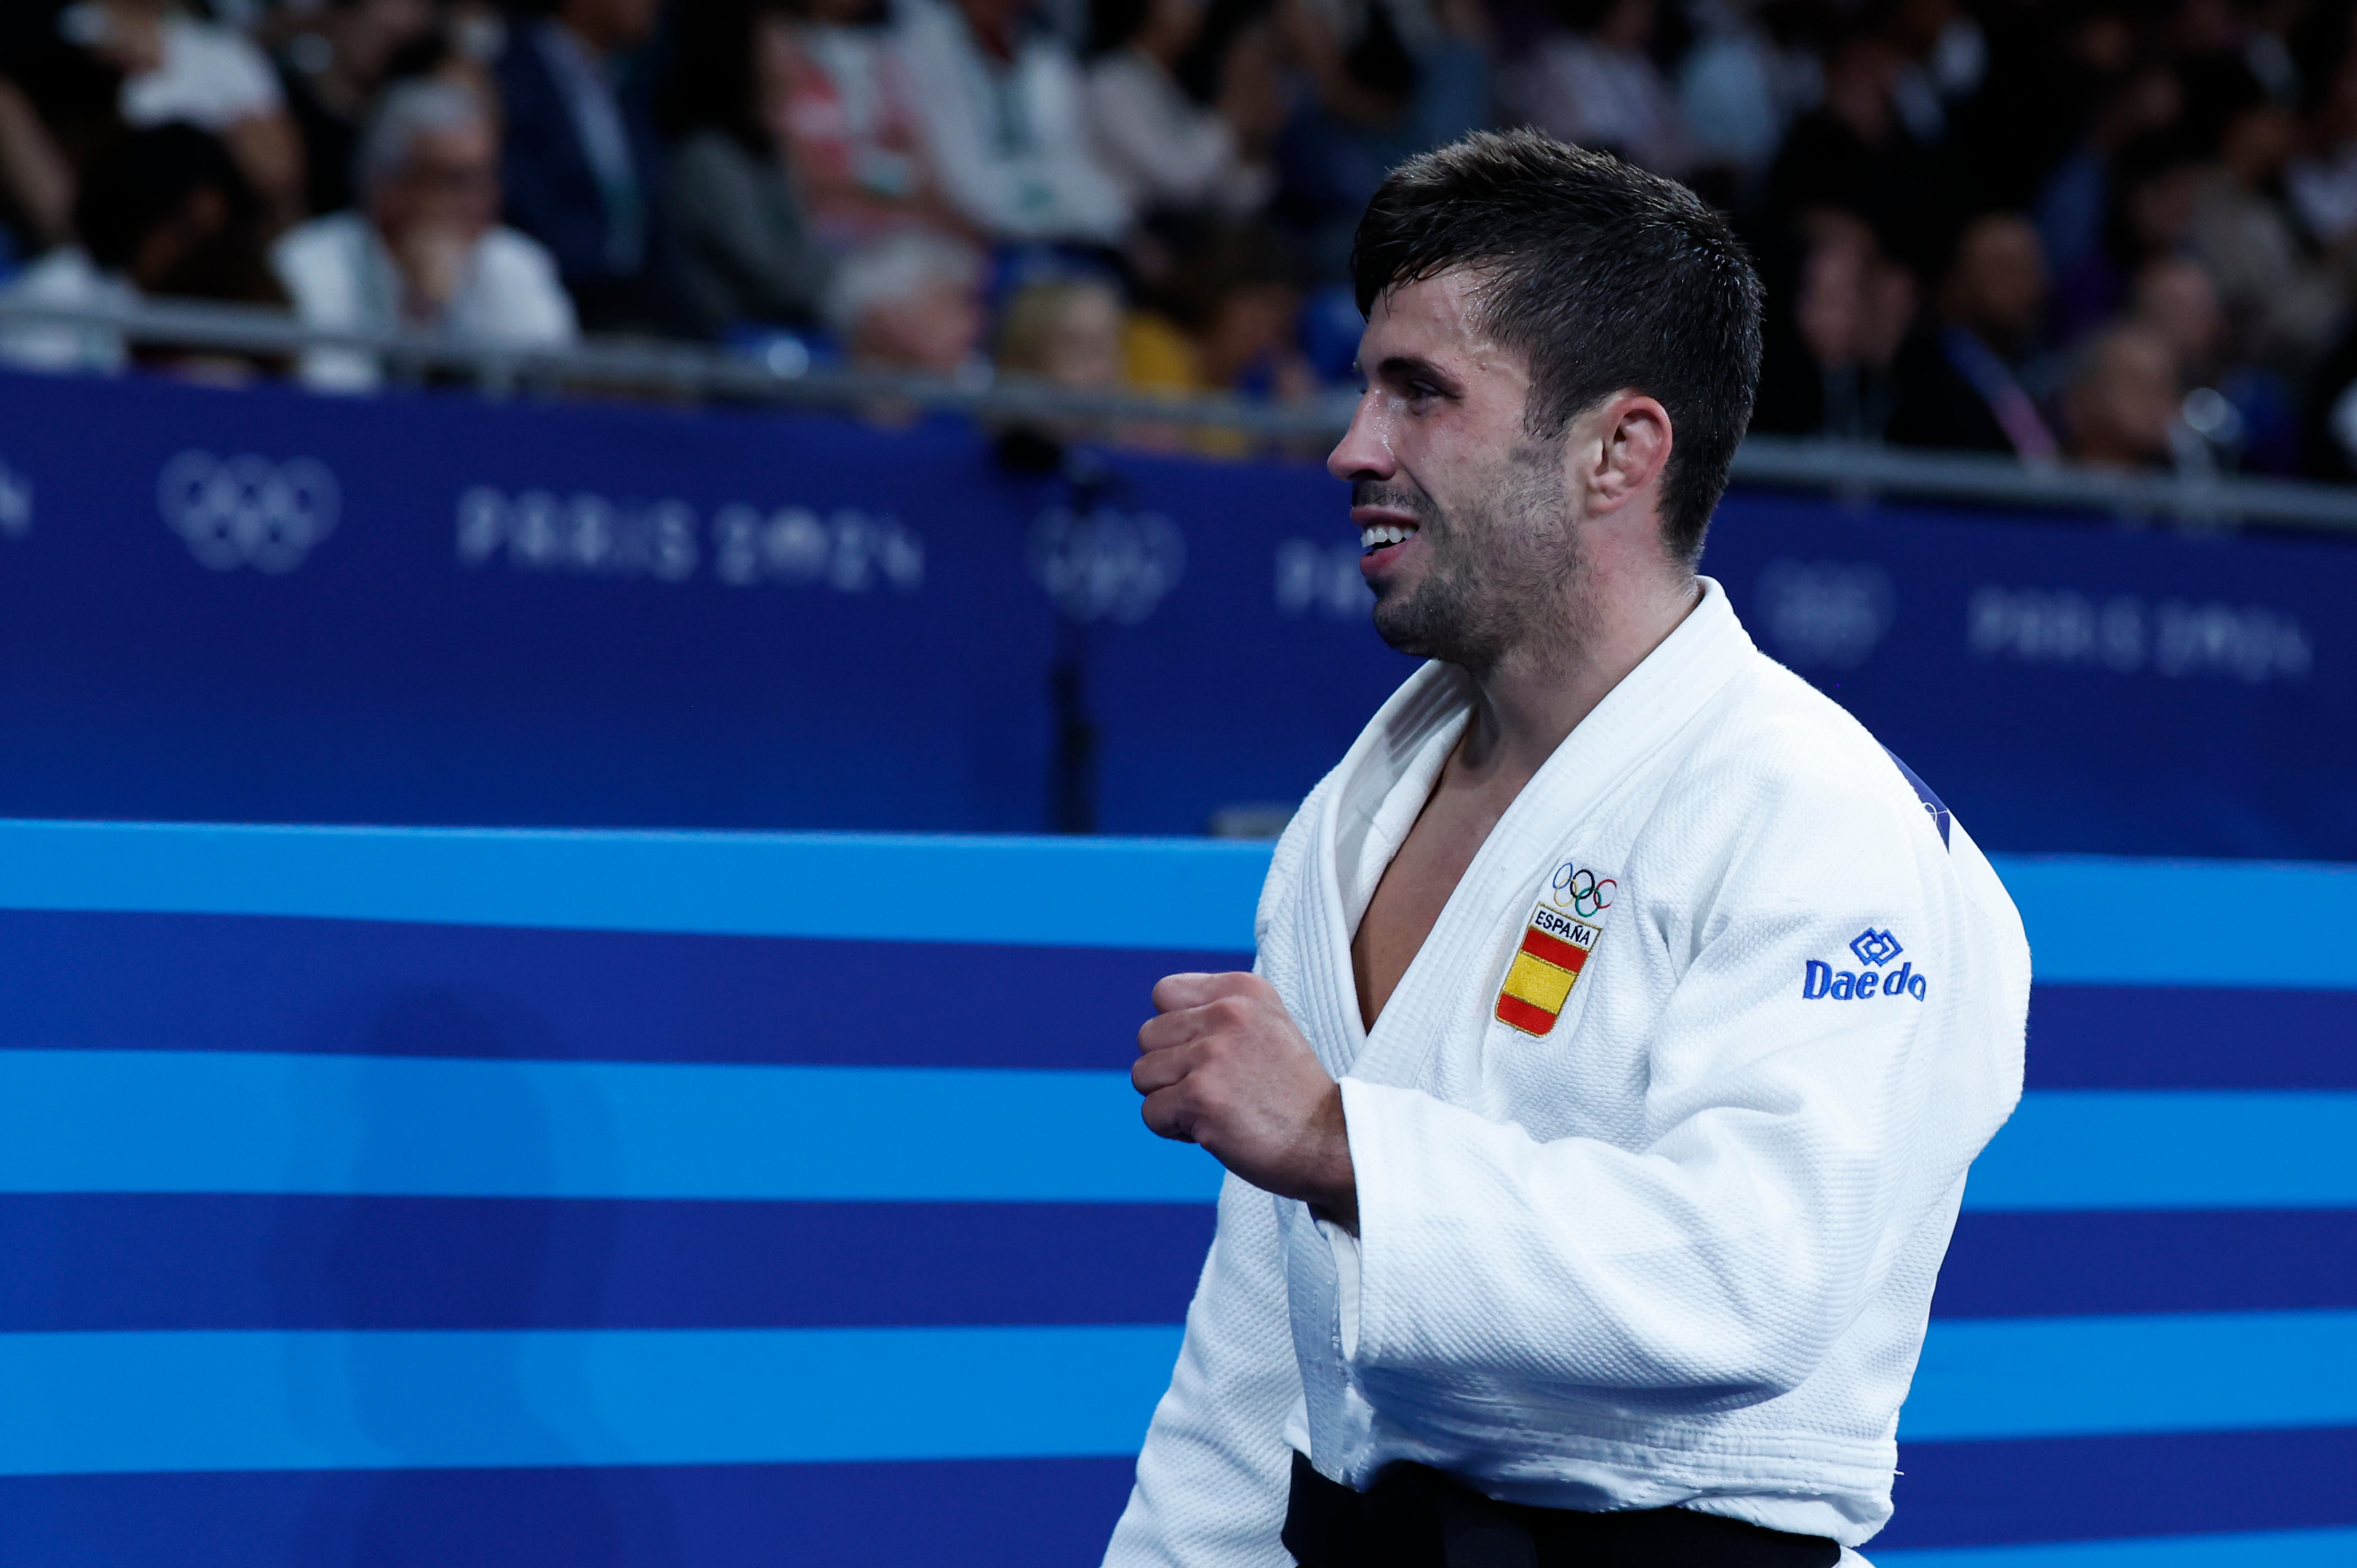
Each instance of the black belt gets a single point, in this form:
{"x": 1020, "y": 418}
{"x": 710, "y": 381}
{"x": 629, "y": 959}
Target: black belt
{"x": 1414, "y": 1517}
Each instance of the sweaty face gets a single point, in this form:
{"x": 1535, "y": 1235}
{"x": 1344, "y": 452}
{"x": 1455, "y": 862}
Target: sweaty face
{"x": 1463, "y": 520}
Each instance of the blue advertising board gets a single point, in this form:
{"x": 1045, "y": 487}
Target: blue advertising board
{"x": 262, "y": 606}
{"x": 259, "y": 606}
{"x": 663, "y": 1200}
{"x": 2065, "y": 684}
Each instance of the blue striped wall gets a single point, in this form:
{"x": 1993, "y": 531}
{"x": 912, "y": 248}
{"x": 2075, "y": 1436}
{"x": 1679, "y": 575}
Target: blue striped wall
{"x": 454, "y": 1198}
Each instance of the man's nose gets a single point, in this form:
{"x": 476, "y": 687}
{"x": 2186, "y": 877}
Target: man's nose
{"x": 1365, "y": 449}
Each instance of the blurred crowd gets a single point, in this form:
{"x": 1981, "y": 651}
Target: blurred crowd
{"x": 2118, "y": 231}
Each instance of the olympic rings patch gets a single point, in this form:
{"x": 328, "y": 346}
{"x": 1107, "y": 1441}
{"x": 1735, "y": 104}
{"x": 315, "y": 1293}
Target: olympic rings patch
{"x": 248, "y": 510}
{"x": 1579, "y": 890}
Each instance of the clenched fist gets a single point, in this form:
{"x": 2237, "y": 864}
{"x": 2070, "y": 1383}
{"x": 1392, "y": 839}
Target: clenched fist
{"x": 1223, "y": 1066}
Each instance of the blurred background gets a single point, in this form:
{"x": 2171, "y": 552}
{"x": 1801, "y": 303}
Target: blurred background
{"x": 2120, "y": 233}
{"x": 904, "y": 421}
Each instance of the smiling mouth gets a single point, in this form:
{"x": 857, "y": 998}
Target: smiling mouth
{"x": 1374, "y": 536}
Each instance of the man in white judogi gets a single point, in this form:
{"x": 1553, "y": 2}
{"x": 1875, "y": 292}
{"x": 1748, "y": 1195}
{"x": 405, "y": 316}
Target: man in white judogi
{"x": 1626, "y": 1017}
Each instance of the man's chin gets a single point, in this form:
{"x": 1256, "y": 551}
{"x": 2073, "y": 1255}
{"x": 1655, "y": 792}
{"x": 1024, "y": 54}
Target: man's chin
{"x": 1398, "y": 625}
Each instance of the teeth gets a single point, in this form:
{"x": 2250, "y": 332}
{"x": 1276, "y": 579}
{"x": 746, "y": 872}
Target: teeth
{"x": 1375, "y": 535}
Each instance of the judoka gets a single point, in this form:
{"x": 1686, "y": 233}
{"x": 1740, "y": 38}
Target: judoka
{"x": 1625, "y": 1019}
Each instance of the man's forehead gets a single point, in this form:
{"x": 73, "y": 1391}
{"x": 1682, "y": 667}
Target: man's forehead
{"x": 1439, "y": 320}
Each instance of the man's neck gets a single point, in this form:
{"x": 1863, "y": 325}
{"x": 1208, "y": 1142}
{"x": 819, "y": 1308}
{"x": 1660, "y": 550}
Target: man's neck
{"x": 1539, "y": 692}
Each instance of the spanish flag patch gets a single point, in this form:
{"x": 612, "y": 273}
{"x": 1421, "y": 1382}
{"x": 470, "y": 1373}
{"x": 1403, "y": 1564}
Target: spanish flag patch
{"x": 1562, "y": 933}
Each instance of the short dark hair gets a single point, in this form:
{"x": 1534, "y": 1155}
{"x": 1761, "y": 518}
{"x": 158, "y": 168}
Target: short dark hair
{"x": 1603, "y": 276}
{"x": 144, "y": 178}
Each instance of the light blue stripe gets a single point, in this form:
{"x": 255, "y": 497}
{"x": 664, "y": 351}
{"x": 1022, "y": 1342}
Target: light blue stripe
{"x": 2091, "y": 921}
{"x": 229, "y": 1122}
{"x": 2272, "y": 1549}
{"x": 299, "y": 1400}
{"x": 2075, "y": 1377}
{"x": 2171, "y": 1149}
{"x": 1103, "y": 893}
{"x": 2099, "y": 921}
{"x": 423, "y": 1126}
{"x": 79, "y": 1403}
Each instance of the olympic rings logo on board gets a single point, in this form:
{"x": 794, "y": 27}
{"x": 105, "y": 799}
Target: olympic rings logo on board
{"x": 1579, "y": 890}
{"x": 248, "y": 510}
{"x": 1106, "y": 564}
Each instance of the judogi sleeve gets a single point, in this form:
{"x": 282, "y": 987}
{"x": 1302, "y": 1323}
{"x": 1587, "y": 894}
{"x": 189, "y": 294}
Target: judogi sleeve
{"x": 1212, "y": 1477}
{"x": 1788, "y": 1143}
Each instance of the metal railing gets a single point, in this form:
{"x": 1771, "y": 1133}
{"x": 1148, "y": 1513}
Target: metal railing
{"x": 681, "y": 371}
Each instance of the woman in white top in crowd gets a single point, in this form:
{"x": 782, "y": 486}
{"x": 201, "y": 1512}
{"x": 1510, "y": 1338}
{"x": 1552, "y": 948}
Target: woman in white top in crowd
{"x": 1168, "y": 152}
{"x": 999, "y": 103}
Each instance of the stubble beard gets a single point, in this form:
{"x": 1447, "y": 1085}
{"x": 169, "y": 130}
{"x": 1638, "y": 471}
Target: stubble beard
{"x": 1507, "y": 572}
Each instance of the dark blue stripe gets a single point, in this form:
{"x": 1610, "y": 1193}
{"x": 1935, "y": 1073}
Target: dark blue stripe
{"x": 112, "y": 982}
{"x": 144, "y": 1262}
{"x": 239, "y": 983}
{"x": 2070, "y": 1264}
{"x": 2123, "y": 1037}
{"x": 1038, "y": 1513}
{"x": 2089, "y": 1488}
{"x": 1044, "y": 1513}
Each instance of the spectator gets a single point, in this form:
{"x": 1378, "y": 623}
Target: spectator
{"x": 331, "y": 71}
{"x": 2151, "y": 185}
{"x": 2323, "y": 181}
{"x": 1166, "y": 151}
{"x": 1853, "y": 152}
{"x": 911, "y": 303}
{"x": 1382, "y": 80}
{"x": 2258, "y": 426}
{"x": 2283, "y": 304}
{"x": 1942, "y": 56}
{"x": 852, "y": 130}
{"x": 1066, "y": 332}
{"x": 177, "y": 68}
{"x": 2076, "y": 198}
{"x": 425, "y": 250}
{"x": 36, "y": 182}
{"x": 63, "y": 102}
{"x": 1833, "y": 331}
{"x": 1595, "y": 83}
{"x": 1738, "y": 88}
{"x": 1229, "y": 323}
{"x": 581, "y": 169}
{"x": 2052, "y": 71}
{"x": 1961, "y": 375}
{"x": 999, "y": 101}
{"x": 2120, "y": 409}
{"x": 2174, "y": 299}
{"x": 746, "y": 253}
{"x": 162, "y": 212}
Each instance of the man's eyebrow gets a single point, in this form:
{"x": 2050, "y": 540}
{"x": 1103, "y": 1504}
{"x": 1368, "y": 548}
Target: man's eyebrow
{"x": 1398, "y": 368}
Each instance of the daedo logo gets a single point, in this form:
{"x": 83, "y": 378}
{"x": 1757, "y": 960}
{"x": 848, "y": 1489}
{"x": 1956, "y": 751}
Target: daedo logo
{"x": 1820, "y": 980}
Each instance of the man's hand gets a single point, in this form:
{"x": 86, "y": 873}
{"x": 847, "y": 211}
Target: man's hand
{"x": 1223, "y": 1066}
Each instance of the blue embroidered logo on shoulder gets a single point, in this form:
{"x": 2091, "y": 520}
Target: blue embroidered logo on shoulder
{"x": 1877, "y": 948}
{"x": 1874, "y": 948}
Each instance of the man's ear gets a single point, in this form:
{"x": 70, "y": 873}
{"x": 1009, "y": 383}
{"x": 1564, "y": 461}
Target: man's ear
{"x": 1620, "y": 450}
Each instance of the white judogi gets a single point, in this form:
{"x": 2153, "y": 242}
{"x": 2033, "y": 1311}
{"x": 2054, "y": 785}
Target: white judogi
{"x": 1679, "y": 1249}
